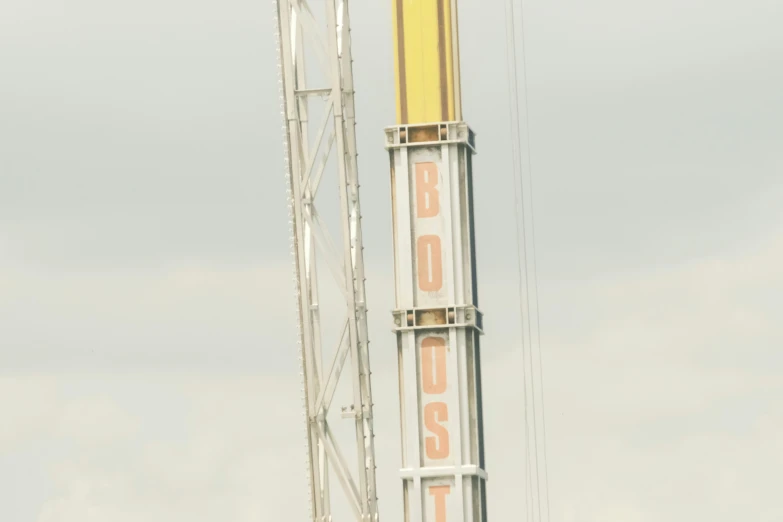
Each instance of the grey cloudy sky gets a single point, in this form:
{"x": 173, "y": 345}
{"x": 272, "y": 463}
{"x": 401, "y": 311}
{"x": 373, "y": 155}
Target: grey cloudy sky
{"x": 147, "y": 335}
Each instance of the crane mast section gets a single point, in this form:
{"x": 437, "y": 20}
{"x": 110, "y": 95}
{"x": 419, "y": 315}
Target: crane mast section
{"x": 437, "y": 320}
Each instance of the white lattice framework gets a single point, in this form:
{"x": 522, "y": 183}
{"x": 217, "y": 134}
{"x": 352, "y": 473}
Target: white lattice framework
{"x": 322, "y": 37}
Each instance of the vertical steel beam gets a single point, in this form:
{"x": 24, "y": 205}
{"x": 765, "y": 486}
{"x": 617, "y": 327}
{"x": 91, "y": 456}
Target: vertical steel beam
{"x": 437, "y": 320}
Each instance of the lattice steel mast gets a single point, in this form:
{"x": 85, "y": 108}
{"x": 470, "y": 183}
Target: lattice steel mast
{"x": 302, "y": 40}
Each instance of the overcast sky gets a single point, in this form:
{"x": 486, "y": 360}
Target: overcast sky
{"x": 147, "y": 328}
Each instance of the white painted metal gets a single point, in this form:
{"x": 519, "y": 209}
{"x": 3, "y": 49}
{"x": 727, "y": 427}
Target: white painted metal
{"x": 323, "y": 35}
{"x": 437, "y": 322}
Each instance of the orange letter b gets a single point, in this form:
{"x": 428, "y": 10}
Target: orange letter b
{"x": 427, "y": 204}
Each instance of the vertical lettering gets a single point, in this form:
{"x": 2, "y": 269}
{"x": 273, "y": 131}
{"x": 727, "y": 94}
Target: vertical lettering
{"x": 440, "y": 492}
{"x": 436, "y": 447}
{"x": 433, "y": 365}
{"x": 430, "y": 264}
{"x": 427, "y": 203}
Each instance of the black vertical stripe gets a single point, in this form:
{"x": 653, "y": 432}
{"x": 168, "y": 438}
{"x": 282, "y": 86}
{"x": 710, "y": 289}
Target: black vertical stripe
{"x": 444, "y": 77}
{"x": 403, "y": 87}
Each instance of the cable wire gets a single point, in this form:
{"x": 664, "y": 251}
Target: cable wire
{"x": 524, "y": 289}
{"x": 516, "y": 175}
{"x": 534, "y": 255}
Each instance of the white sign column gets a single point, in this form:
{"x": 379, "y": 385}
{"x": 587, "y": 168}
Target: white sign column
{"x": 437, "y": 322}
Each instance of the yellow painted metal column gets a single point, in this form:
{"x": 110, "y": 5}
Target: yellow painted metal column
{"x": 426, "y": 61}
